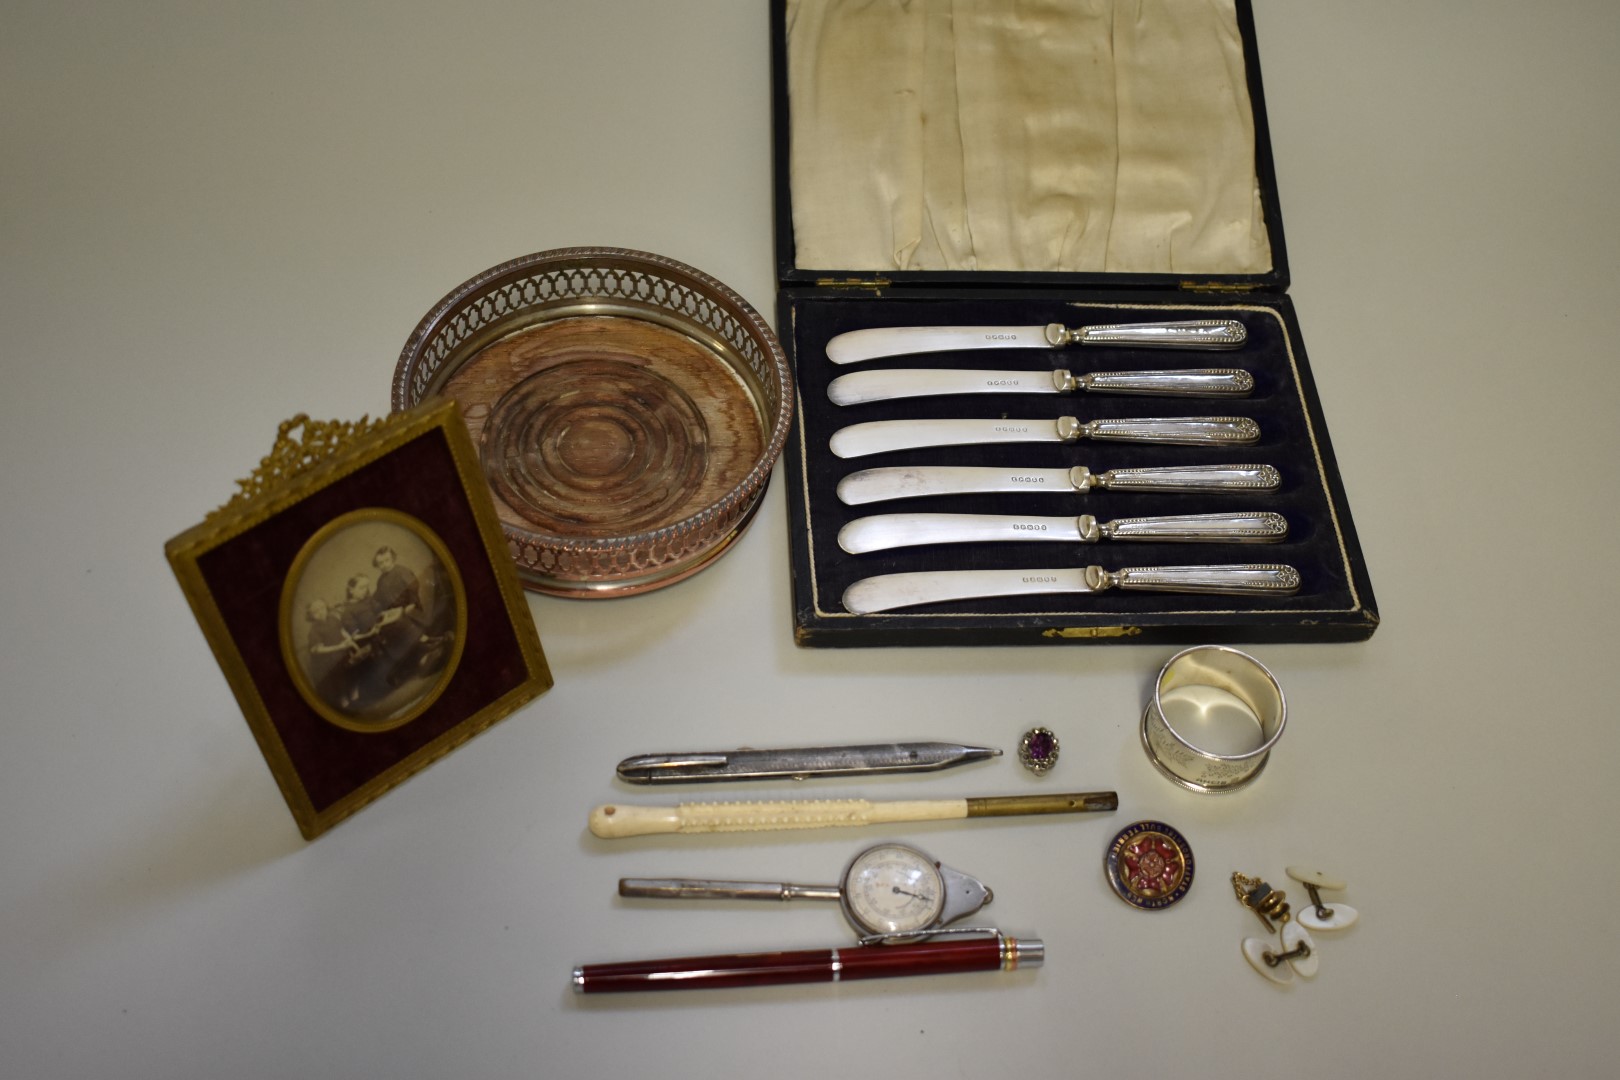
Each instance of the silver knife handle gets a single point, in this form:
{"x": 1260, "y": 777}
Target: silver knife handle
{"x": 699, "y": 889}
{"x": 1186, "y": 334}
{"x": 1232, "y": 528}
{"x": 1184, "y": 430}
{"x": 1243, "y": 579}
{"x": 1238, "y": 478}
{"x": 1197, "y": 382}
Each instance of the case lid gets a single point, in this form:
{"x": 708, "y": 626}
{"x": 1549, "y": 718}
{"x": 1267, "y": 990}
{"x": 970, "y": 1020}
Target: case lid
{"x": 993, "y": 142}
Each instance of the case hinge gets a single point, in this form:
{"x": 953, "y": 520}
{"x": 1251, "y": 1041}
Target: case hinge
{"x": 1217, "y": 287}
{"x": 852, "y": 283}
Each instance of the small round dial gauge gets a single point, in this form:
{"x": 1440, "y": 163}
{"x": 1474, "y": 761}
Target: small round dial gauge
{"x": 893, "y": 889}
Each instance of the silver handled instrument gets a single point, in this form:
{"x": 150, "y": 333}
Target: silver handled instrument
{"x": 879, "y": 436}
{"x": 887, "y": 592}
{"x": 868, "y": 344}
{"x": 860, "y": 387}
{"x": 880, "y": 532}
{"x": 916, "y": 481}
{"x": 799, "y": 763}
{"x": 885, "y": 889}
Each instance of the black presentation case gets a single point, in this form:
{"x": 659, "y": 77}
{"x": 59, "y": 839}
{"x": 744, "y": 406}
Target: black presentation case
{"x": 1335, "y": 600}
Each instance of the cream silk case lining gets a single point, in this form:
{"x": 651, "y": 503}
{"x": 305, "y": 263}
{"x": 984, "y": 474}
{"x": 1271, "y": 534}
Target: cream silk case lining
{"x": 1024, "y": 135}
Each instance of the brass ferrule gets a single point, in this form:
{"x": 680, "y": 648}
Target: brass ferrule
{"x": 1071, "y": 803}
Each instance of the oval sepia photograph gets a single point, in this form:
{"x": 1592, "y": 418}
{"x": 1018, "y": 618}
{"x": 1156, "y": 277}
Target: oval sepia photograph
{"x": 372, "y": 619}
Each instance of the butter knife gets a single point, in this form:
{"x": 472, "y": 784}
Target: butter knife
{"x": 885, "y": 384}
{"x": 889, "y": 591}
{"x": 877, "y": 436}
{"x": 906, "y": 482}
{"x": 856, "y": 345}
{"x": 883, "y": 531}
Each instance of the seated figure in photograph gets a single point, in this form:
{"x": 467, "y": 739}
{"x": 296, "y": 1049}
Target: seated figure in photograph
{"x": 417, "y": 638}
{"x": 392, "y": 638}
{"x": 331, "y": 652}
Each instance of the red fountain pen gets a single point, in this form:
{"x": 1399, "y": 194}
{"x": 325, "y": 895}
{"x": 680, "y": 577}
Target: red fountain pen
{"x": 997, "y": 952}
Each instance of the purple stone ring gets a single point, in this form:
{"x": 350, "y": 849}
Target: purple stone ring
{"x": 1038, "y": 750}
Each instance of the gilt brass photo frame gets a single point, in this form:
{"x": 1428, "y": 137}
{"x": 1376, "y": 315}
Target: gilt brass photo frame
{"x": 361, "y": 602}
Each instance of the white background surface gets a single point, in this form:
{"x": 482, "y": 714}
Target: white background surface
{"x": 214, "y": 216}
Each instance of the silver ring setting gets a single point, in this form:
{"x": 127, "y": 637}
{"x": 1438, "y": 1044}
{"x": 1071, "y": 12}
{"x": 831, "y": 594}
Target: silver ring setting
{"x": 1038, "y": 750}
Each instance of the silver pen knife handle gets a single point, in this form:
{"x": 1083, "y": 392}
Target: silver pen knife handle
{"x": 1195, "y": 382}
{"x": 1181, "y": 430}
{"x": 701, "y": 889}
{"x": 1182, "y": 334}
{"x": 1232, "y": 527}
{"x": 1239, "y": 579}
{"x": 1240, "y": 478}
